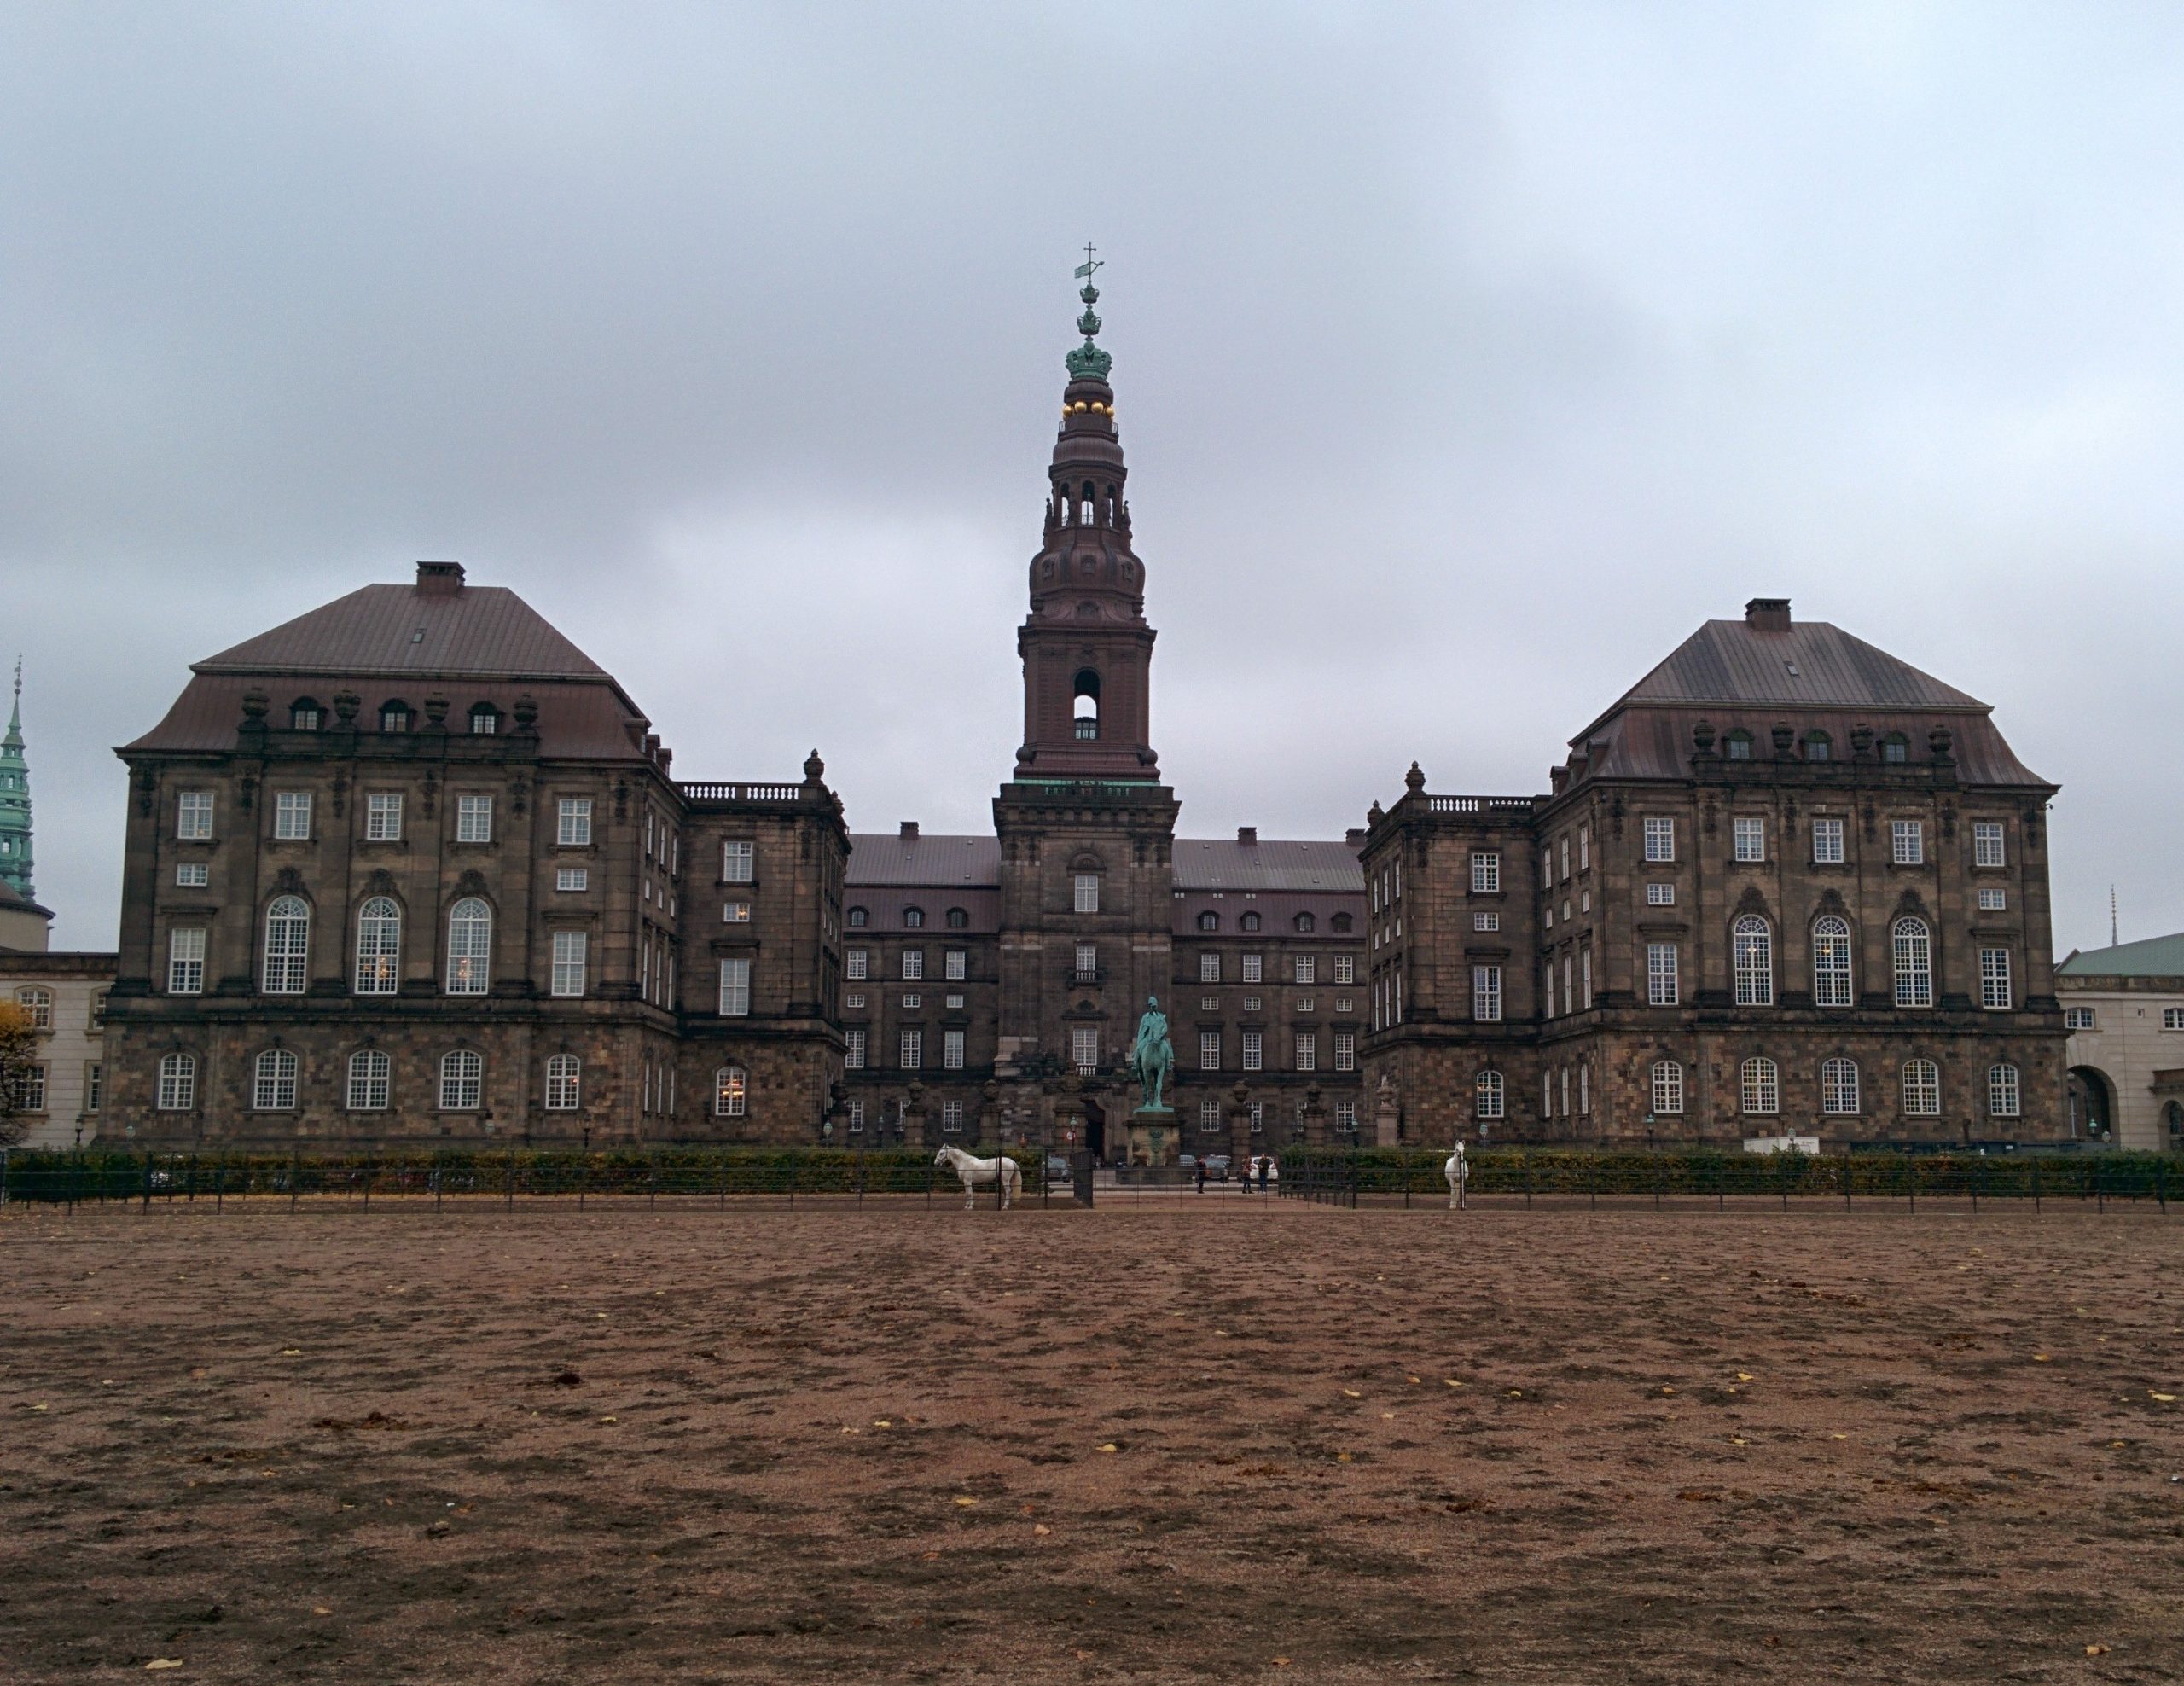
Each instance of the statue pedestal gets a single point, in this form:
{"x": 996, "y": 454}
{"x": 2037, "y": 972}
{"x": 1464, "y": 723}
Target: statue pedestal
{"x": 1155, "y": 1138}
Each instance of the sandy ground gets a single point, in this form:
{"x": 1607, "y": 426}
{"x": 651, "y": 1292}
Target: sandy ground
{"x": 1287, "y": 1443}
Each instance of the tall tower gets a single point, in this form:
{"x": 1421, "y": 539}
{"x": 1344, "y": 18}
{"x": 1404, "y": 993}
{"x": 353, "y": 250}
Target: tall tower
{"x": 15, "y": 801}
{"x": 1086, "y": 829}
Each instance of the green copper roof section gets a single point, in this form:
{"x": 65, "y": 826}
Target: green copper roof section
{"x": 15, "y": 799}
{"x": 1088, "y": 361}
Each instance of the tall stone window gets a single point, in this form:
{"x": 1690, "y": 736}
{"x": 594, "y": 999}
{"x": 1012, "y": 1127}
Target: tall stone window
{"x": 569, "y": 954}
{"x": 177, "y": 1090}
{"x": 1087, "y": 892}
{"x": 287, "y": 945}
{"x": 1486, "y": 994}
{"x": 463, "y": 1079}
{"x": 1490, "y": 1095}
{"x": 185, "y": 962}
{"x": 1922, "y": 1089}
{"x": 2003, "y": 1090}
{"x": 1760, "y": 1082}
{"x": 1914, "y": 955}
{"x": 470, "y": 947}
{"x": 1752, "y": 945}
{"x": 731, "y": 1091}
{"x": 292, "y": 815}
{"x": 378, "y": 945}
{"x": 1839, "y": 1088}
{"x": 564, "y": 1082}
{"x": 273, "y": 1082}
{"x": 371, "y": 1079}
{"x": 1831, "y": 961}
{"x": 1663, "y": 987}
{"x": 1667, "y": 1083}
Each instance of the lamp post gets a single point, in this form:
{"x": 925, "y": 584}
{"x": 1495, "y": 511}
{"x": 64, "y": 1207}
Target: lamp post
{"x": 1649, "y": 1132}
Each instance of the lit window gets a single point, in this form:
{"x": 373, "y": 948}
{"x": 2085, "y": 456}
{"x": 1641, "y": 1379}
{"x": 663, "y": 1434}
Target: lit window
{"x": 569, "y": 948}
{"x": 1254, "y": 1056}
{"x": 1660, "y": 895}
{"x": 470, "y": 947}
{"x": 735, "y": 868}
{"x": 1908, "y": 842}
{"x": 1087, "y": 892}
{"x": 1490, "y": 1095}
{"x": 1485, "y": 874}
{"x": 292, "y": 815}
{"x": 1922, "y": 1089}
{"x": 177, "y": 1083}
{"x": 370, "y": 1079}
{"x": 194, "y": 819}
{"x": 1662, "y": 989}
{"x": 193, "y": 874}
{"x": 1486, "y": 994}
{"x": 1661, "y": 840}
{"x": 394, "y": 717}
{"x": 1913, "y": 952}
{"x": 473, "y": 819}
{"x": 1994, "y": 978}
{"x": 1828, "y": 842}
{"x": 564, "y": 1082}
{"x": 1751, "y": 839}
{"x": 1986, "y": 843}
{"x": 735, "y": 989}
{"x": 185, "y": 962}
{"x": 1761, "y": 1086}
{"x": 383, "y": 818}
{"x": 735, "y": 913}
{"x": 1753, "y": 944}
{"x": 273, "y": 1082}
{"x": 303, "y": 716}
{"x": 1839, "y": 1088}
{"x": 951, "y": 1050}
{"x": 1831, "y": 961}
{"x": 287, "y": 945}
{"x": 731, "y": 1091}
{"x": 378, "y": 945}
{"x": 1668, "y": 1085}
{"x": 2003, "y": 1090}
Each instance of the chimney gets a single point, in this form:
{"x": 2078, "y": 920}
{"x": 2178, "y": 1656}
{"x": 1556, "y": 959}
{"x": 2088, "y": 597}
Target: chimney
{"x": 1355, "y": 837}
{"x": 1247, "y": 834}
{"x": 1767, "y": 615}
{"x": 439, "y": 579}
{"x": 909, "y": 830}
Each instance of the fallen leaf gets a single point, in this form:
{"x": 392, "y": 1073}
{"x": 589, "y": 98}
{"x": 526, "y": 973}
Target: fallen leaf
{"x": 609, "y": 1419}
{"x": 40, "y": 1408}
{"x": 1041, "y": 1528}
{"x": 1281, "y": 1662}
{"x": 964, "y": 1501}
{"x": 1741, "y": 1376}
{"x": 1110, "y": 1447}
{"x": 175, "y": 1662}
{"x": 2042, "y": 1359}
{"x": 1387, "y": 1416}
{"x": 1412, "y": 1380}
{"x": 1668, "y": 1390}
{"x": 2095, "y": 1650}
{"x": 1342, "y": 1457}
{"x": 2166, "y": 1398}
{"x": 320, "y": 1610}
{"x": 1352, "y": 1393}
{"x": 1839, "y": 1437}
{"x": 882, "y": 1422}
{"x": 1516, "y": 1392}
{"x": 1736, "y": 1440}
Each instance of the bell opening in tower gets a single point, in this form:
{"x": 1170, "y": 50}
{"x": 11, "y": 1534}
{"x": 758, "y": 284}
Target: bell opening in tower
{"x": 1087, "y": 709}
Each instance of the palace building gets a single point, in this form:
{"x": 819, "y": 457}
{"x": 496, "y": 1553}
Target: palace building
{"x": 413, "y": 869}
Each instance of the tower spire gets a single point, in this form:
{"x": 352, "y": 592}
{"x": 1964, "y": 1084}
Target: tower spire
{"x": 1088, "y": 360}
{"x": 15, "y": 799}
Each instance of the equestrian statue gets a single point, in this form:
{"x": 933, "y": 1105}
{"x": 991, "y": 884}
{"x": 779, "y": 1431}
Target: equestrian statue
{"x": 1152, "y": 1056}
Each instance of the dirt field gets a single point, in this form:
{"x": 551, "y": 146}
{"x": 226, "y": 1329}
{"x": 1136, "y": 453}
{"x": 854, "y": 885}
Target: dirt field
{"x": 1294, "y": 1443}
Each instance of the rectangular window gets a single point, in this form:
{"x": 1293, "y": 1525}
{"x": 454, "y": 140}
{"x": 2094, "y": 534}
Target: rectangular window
{"x": 735, "y": 913}
{"x": 568, "y": 962}
{"x": 1828, "y": 842}
{"x": 1486, "y": 921}
{"x": 473, "y": 819}
{"x": 2080, "y": 1019}
{"x": 1307, "y": 967}
{"x": 1585, "y": 978}
{"x": 1839, "y": 1088}
{"x": 1254, "y": 1056}
{"x": 957, "y": 961}
{"x": 193, "y": 821}
{"x": 1087, "y": 892}
{"x": 1346, "y": 969}
{"x": 1259, "y": 1116}
{"x": 1994, "y": 977}
{"x": 1308, "y": 1051}
{"x": 855, "y": 961}
{"x": 1661, "y": 984}
{"x": 177, "y": 1083}
{"x": 1087, "y": 961}
{"x": 573, "y": 877}
{"x": 1486, "y": 994}
{"x": 854, "y": 1000}
{"x": 856, "y": 1108}
{"x": 853, "y": 1050}
{"x": 1986, "y": 843}
{"x": 1208, "y": 1117}
{"x": 185, "y": 962}
{"x": 1084, "y": 1048}
{"x": 1346, "y": 1050}
{"x": 29, "y": 1089}
{"x": 912, "y": 1048}
{"x": 1569, "y": 995}
{"x": 1668, "y": 1086}
{"x": 2003, "y": 1090}
{"x": 1209, "y": 1050}
{"x": 292, "y": 815}
{"x": 383, "y": 818}
{"x": 735, "y": 862}
{"x": 1485, "y": 873}
{"x": 94, "y": 1085}
{"x": 1584, "y": 848}
{"x": 1566, "y": 860}
{"x": 1908, "y": 842}
{"x": 1995, "y": 900}
{"x": 193, "y": 874}
{"x": 2172, "y": 1017}
{"x": 951, "y": 1118}
{"x": 955, "y": 1002}
{"x": 1209, "y": 967}
{"x": 574, "y": 830}
{"x": 1252, "y": 969}
{"x": 1660, "y": 895}
{"x": 1209, "y": 1003}
{"x": 735, "y": 989}
{"x": 951, "y": 1050}
{"x": 1661, "y": 840}
{"x": 913, "y": 964}
{"x": 1751, "y": 839}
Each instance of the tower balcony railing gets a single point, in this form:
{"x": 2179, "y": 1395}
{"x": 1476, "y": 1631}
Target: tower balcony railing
{"x": 739, "y": 793}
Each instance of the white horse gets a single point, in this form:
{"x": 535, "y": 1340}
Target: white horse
{"x": 1458, "y": 1173}
{"x": 979, "y": 1173}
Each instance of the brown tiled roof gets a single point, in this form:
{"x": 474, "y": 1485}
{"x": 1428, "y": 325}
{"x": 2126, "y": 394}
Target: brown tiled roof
{"x": 1224, "y": 864}
{"x": 1809, "y": 665}
{"x": 477, "y": 631}
{"x": 938, "y": 861}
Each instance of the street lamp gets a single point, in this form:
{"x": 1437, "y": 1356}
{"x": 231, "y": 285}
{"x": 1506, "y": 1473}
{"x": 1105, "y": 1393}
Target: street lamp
{"x": 1649, "y": 1132}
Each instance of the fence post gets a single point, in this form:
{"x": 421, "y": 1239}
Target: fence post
{"x": 1528, "y": 1179}
{"x": 2035, "y": 1186}
{"x": 2161, "y": 1185}
{"x": 1974, "y": 1181}
{"x": 2100, "y": 1194}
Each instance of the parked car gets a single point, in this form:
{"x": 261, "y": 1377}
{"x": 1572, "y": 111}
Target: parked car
{"x": 1187, "y": 1161}
{"x": 1216, "y": 1167}
{"x": 1057, "y": 1168}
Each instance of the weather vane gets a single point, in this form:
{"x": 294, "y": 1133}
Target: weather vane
{"x": 1088, "y": 360}
{"x": 1084, "y": 270}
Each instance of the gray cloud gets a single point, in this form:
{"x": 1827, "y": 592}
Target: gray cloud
{"x": 1466, "y": 360}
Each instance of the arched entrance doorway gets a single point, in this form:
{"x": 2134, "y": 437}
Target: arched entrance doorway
{"x": 1095, "y": 1131}
{"x": 2092, "y": 1100}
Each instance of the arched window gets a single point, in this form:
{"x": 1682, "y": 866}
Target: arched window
{"x": 1895, "y": 748}
{"x": 1492, "y": 1094}
{"x": 1831, "y": 961}
{"x": 370, "y": 1076}
{"x": 1305, "y": 921}
{"x": 731, "y": 1090}
{"x": 1250, "y": 921}
{"x": 177, "y": 1083}
{"x": 958, "y": 920}
{"x": 2002, "y": 1093}
{"x": 1914, "y": 954}
{"x": 1088, "y": 509}
{"x": 484, "y": 719}
{"x": 1752, "y": 944}
{"x": 469, "y": 947}
{"x": 1086, "y": 707}
{"x": 394, "y": 717}
{"x": 1761, "y": 1086}
{"x": 859, "y": 918}
{"x": 303, "y": 715}
{"x": 1818, "y": 746}
{"x": 1839, "y": 1088}
{"x": 287, "y": 945}
{"x": 564, "y": 1082}
{"x": 1922, "y": 1089}
{"x": 1668, "y": 1086}
{"x": 462, "y": 1080}
{"x": 273, "y": 1082}
{"x": 1209, "y": 921}
{"x": 1736, "y": 746}
{"x": 913, "y": 917}
{"x": 378, "y": 945}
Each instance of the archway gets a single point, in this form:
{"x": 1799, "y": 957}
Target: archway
{"x": 1086, "y": 705}
{"x": 2092, "y": 1099}
{"x": 1095, "y": 1131}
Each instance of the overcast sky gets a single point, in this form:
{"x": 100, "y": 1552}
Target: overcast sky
{"x": 1466, "y": 358}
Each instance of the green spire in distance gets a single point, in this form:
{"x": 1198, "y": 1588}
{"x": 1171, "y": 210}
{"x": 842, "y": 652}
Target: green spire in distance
{"x": 1088, "y": 360}
{"x": 15, "y": 801}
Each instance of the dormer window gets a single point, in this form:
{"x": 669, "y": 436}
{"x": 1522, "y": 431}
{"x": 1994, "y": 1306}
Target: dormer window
{"x": 1736, "y": 746}
{"x": 912, "y": 918}
{"x": 958, "y": 920}
{"x": 302, "y": 716}
{"x": 1209, "y": 921}
{"x": 1305, "y": 921}
{"x": 1895, "y": 748}
{"x": 1340, "y": 922}
{"x": 394, "y": 717}
{"x": 1250, "y": 921}
{"x": 485, "y": 720}
{"x": 859, "y": 918}
{"x": 1818, "y": 746}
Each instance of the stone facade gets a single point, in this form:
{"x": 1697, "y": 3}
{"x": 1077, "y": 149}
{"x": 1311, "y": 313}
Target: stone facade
{"x": 2123, "y": 1008}
{"x": 66, "y": 995}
